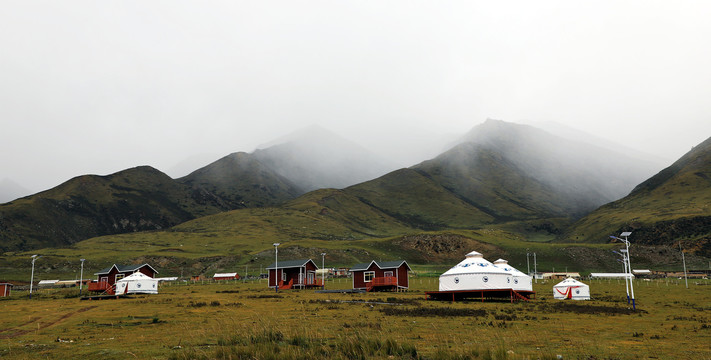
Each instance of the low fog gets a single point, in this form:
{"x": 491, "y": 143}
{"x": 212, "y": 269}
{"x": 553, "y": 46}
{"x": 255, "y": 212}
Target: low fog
{"x": 97, "y": 87}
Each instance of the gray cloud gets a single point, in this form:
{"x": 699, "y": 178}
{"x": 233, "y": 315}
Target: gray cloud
{"x": 96, "y": 87}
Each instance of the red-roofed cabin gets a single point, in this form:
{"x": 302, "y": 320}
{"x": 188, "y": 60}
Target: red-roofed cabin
{"x": 225, "y": 276}
{"x": 106, "y": 278}
{"x": 294, "y": 274}
{"x": 5, "y": 289}
{"x": 384, "y": 275}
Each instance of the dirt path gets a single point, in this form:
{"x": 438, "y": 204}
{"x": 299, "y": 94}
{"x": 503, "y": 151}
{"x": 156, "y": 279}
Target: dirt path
{"x": 16, "y": 331}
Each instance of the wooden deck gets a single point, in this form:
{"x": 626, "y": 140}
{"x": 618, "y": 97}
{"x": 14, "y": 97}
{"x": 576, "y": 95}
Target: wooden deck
{"x": 488, "y": 294}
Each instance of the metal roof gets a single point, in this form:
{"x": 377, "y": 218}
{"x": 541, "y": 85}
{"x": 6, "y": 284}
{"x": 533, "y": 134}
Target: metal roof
{"x": 123, "y": 268}
{"x": 363, "y": 266}
{"x": 291, "y": 264}
{"x": 381, "y": 265}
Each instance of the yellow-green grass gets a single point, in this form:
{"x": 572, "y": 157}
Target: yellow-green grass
{"x": 235, "y": 319}
{"x": 183, "y": 252}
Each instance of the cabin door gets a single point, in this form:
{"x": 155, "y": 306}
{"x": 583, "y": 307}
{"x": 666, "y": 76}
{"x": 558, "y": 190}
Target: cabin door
{"x": 310, "y": 277}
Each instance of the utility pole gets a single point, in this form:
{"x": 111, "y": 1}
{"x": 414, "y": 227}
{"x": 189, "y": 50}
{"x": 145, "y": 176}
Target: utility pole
{"x": 684, "y": 261}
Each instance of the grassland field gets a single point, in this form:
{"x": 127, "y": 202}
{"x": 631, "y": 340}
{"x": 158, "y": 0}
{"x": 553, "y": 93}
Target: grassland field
{"x": 246, "y": 320}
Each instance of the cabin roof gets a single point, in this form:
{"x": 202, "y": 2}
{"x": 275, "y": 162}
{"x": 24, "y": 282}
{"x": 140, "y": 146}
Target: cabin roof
{"x": 123, "y": 269}
{"x": 291, "y": 264}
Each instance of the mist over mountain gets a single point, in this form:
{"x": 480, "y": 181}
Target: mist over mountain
{"x": 498, "y": 172}
{"x": 503, "y": 172}
{"x": 618, "y": 144}
{"x": 586, "y": 174}
{"x": 10, "y": 190}
{"x": 315, "y": 158}
{"x": 240, "y": 180}
{"x": 671, "y": 206}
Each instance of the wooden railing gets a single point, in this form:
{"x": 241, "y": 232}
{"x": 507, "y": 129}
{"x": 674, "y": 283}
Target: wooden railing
{"x": 102, "y": 287}
{"x": 384, "y": 281}
{"x": 381, "y": 281}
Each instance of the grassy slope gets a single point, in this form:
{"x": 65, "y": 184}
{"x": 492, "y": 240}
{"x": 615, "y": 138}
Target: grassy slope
{"x": 136, "y": 199}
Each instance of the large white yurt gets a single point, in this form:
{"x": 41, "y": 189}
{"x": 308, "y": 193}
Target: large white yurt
{"x": 475, "y": 273}
{"x": 137, "y": 283}
{"x": 519, "y": 280}
{"x": 571, "y": 289}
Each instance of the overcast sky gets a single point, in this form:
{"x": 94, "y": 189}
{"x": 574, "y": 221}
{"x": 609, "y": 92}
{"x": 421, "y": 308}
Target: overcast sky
{"x": 94, "y": 87}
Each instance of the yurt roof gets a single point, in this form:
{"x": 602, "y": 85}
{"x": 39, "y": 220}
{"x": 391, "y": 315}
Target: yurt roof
{"x": 474, "y": 254}
{"x": 136, "y": 276}
{"x": 569, "y": 282}
{"x": 501, "y": 263}
{"x": 475, "y": 265}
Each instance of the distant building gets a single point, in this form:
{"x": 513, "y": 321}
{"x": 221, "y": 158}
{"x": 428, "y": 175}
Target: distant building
{"x": 226, "y": 276}
{"x": 5, "y": 289}
{"x": 610, "y": 275}
{"x": 560, "y": 275}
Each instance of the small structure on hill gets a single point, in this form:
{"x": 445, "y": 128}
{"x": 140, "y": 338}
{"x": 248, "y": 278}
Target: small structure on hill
{"x": 384, "y": 275}
{"x": 137, "y": 283}
{"x": 107, "y": 278}
{"x": 5, "y": 289}
{"x": 475, "y": 277}
{"x": 293, "y": 274}
{"x": 226, "y": 276}
{"x": 571, "y": 289}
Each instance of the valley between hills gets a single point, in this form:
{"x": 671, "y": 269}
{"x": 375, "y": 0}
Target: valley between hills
{"x": 505, "y": 190}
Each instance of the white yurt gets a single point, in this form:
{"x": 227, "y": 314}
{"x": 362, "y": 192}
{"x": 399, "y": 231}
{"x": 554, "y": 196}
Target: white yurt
{"x": 137, "y": 283}
{"x": 520, "y": 281}
{"x": 571, "y": 289}
{"x": 475, "y": 273}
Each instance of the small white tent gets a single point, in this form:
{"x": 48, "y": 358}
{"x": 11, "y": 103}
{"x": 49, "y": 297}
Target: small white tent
{"x": 571, "y": 289}
{"x": 520, "y": 281}
{"x": 475, "y": 273}
{"x": 137, "y": 283}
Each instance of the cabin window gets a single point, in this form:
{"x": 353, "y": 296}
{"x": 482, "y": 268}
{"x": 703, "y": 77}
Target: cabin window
{"x": 388, "y": 274}
{"x": 119, "y": 276}
{"x": 283, "y": 276}
{"x": 368, "y": 276}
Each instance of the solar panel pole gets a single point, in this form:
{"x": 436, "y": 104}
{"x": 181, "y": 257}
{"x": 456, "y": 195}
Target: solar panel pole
{"x": 629, "y": 265}
{"x": 81, "y": 276}
{"x": 32, "y": 277}
{"x": 686, "y": 280}
{"x": 276, "y": 266}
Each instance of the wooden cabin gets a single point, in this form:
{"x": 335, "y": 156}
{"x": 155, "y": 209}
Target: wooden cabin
{"x": 384, "y": 275}
{"x": 106, "y": 278}
{"x": 5, "y": 289}
{"x": 293, "y": 274}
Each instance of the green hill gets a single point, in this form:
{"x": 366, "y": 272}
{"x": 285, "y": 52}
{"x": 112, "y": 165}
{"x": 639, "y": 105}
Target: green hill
{"x": 672, "y": 206}
{"x": 137, "y": 199}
